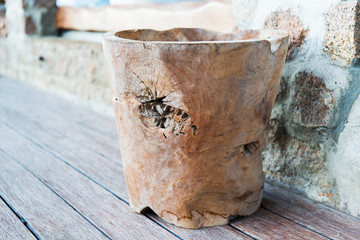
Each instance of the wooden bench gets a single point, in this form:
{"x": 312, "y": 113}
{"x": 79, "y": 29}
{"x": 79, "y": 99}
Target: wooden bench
{"x": 61, "y": 177}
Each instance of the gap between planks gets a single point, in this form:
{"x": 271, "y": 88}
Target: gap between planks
{"x": 39, "y": 130}
{"x": 23, "y": 190}
{"x": 231, "y": 233}
{"x": 12, "y": 224}
{"x": 112, "y": 218}
{"x": 279, "y": 214}
{"x": 197, "y": 232}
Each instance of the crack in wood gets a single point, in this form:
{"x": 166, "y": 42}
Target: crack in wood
{"x": 155, "y": 113}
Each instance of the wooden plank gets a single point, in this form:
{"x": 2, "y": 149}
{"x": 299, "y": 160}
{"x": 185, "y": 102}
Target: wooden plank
{"x": 64, "y": 109}
{"x": 39, "y": 94}
{"x": 57, "y": 114}
{"x": 86, "y": 161}
{"x": 74, "y": 153}
{"x": 266, "y": 225}
{"x": 104, "y": 210}
{"x": 54, "y": 121}
{"x": 45, "y": 212}
{"x": 216, "y": 232}
{"x": 333, "y": 223}
{"x": 211, "y": 15}
{"x": 58, "y": 120}
{"x": 11, "y": 226}
{"x": 112, "y": 185}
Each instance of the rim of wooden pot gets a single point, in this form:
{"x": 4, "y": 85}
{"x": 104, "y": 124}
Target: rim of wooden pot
{"x": 275, "y": 36}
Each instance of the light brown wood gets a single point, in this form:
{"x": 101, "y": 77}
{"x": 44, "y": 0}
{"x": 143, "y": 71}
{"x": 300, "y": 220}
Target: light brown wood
{"x": 215, "y": 232}
{"x": 266, "y": 225}
{"x": 11, "y": 226}
{"x": 34, "y": 111}
{"x": 46, "y": 213}
{"x": 103, "y": 209}
{"x": 53, "y": 110}
{"x": 72, "y": 152}
{"x": 335, "y": 224}
{"x": 192, "y": 107}
{"x": 114, "y": 183}
{"x": 213, "y": 15}
{"x": 57, "y": 122}
{"x": 52, "y": 140}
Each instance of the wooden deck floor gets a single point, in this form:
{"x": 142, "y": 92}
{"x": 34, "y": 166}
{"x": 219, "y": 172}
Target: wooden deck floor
{"x": 61, "y": 177}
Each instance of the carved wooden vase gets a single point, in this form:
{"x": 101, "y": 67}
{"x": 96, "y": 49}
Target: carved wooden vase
{"x": 192, "y": 107}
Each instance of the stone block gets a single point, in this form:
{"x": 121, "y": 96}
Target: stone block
{"x": 40, "y": 22}
{"x": 312, "y": 104}
{"x": 44, "y": 3}
{"x": 3, "y": 30}
{"x": 2, "y": 10}
{"x": 30, "y": 25}
{"x": 39, "y": 3}
{"x": 47, "y": 22}
{"x": 39, "y": 17}
{"x": 285, "y": 20}
{"x": 342, "y": 32}
{"x": 300, "y": 164}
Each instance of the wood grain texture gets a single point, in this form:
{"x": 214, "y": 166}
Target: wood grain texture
{"x": 206, "y": 14}
{"x": 45, "y": 212}
{"x": 335, "y": 224}
{"x": 118, "y": 187}
{"x": 42, "y": 121}
{"x": 265, "y": 225}
{"x": 11, "y": 226}
{"x": 73, "y": 153}
{"x": 104, "y": 210}
{"x": 215, "y": 232}
{"x": 39, "y": 114}
{"x": 74, "y": 122}
{"x": 194, "y": 105}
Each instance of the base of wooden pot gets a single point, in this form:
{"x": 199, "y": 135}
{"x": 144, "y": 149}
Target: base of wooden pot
{"x": 195, "y": 219}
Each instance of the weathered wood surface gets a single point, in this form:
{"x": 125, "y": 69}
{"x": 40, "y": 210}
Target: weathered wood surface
{"x": 115, "y": 186}
{"x": 49, "y": 115}
{"x": 112, "y": 217}
{"x": 11, "y": 226}
{"x": 50, "y": 216}
{"x": 320, "y": 218}
{"x": 78, "y": 155}
{"x": 212, "y": 15}
{"x": 265, "y": 225}
{"x": 194, "y": 105}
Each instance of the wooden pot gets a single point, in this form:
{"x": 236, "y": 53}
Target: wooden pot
{"x": 192, "y": 107}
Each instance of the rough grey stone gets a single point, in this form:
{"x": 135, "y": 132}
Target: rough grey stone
{"x": 342, "y": 35}
{"x": 286, "y": 20}
{"x": 299, "y": 164}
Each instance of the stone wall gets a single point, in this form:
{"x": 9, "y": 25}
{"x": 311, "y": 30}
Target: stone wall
{"x": 314, "y": 135}
{"x": 314, "y": 139}
{"x": 73, "y": 69}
